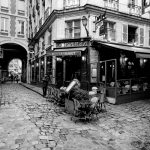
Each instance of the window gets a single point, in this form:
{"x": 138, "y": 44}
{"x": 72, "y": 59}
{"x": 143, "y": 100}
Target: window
{"x": 21, "y": 7}
{"x": 4, "y": 24}
{"x": 71, "y": 3}
{"x": 21, "y": 25}
{"x": 110, "y": 31}
{"x": 4, "y": 3}
{"x": 73, "y": 29}
{"x": 132, "y": 34}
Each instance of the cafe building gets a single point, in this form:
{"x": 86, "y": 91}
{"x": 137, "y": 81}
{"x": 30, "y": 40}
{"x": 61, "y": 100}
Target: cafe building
{"x": 118, "y": 57}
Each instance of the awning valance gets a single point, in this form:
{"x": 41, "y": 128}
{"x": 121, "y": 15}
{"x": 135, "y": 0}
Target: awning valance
{"x": 118, "y": 46}
{"x": 67, "y": 51}
{"x": 140, "y": 52}
{"x": 141, "y": 55}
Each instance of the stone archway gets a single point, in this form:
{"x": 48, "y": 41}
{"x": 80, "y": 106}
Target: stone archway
{"x": 11, "y": 51}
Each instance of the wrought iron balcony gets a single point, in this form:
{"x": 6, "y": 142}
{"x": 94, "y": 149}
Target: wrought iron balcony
{"x": 111, "y": 4}
{"x": 129, "y": 9}
{"x": 71, "y": 4}
{"x": 135, "y": 10}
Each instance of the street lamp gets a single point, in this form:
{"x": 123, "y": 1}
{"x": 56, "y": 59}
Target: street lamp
{"x": 84, "y": 22}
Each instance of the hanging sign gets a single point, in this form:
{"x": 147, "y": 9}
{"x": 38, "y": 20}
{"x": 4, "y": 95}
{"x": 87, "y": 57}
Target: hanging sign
{"x": 102, "y": 30}
{"x": 99, "y": 20}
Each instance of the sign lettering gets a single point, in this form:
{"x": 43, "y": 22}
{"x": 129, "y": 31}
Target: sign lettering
{"x": 75, "y": 53}
{"x": 72, "y": 44}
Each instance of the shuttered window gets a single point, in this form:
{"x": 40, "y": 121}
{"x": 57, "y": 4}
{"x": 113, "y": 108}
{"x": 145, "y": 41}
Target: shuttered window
{"x": 141, "y": 36}
{"x": 125, "y": 33}
{"x": 4, "y": 24}
{"x": 73, "y": 29}
{"x": 21, "y": 5}
{"x": 21, "y": 27}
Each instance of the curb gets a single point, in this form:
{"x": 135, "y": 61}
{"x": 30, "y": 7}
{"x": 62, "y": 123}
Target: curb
{"x": 31, "y": 89}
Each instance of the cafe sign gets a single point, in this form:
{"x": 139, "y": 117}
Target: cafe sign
{"x": 72, "y": 44}
{"x": 66, "y": 53}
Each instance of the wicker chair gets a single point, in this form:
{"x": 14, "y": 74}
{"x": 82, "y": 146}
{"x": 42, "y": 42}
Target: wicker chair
{"x": 79, "y": 112}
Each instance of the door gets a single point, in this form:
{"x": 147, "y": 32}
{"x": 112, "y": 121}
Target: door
{"x": 108, "y": 75}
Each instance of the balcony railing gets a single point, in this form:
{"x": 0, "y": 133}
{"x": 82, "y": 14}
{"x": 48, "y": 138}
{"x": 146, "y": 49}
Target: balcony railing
{"x": 111, "y": 5}
{"x": 129, "y": 9}
{"x": 135, "y": 10}
{"x": 73, "y": 32}
{"x": 110, "y": 34}
{"x": 71, "y": 4}
{"x": 47, "y": 13}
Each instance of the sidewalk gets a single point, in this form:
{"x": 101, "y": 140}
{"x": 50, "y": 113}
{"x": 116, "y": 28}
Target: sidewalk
{"x": 35, "y": 88}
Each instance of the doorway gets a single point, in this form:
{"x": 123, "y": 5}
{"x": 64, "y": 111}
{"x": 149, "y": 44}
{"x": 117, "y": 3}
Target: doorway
{"x": 108, "y": 71}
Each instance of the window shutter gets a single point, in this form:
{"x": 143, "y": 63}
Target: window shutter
{"x": 125, "y": 33}
{"x": 141, "y": 36}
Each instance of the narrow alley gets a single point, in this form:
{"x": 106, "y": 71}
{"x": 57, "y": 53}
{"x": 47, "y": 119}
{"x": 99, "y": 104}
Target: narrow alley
{"x": 29, "y": 122}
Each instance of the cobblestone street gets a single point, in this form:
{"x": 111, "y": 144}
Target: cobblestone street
{"x": 29, "y": 122}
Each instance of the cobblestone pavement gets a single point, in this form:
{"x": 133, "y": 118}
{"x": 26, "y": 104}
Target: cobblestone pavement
{"x": 28, "y": 122}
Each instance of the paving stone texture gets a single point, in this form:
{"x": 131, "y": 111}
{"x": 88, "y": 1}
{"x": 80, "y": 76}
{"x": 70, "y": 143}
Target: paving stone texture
{"x": 29, "y": 122}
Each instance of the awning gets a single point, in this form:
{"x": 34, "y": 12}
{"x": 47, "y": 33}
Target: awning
{"x": 118, "y": 46}
{"x": 140, "y": 55}
{"x": 140, "y": 52}
{"x": 67, "y": 51}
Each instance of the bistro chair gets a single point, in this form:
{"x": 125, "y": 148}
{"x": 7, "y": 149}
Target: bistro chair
{"x": 79, "y": 111}
{"x": 102, "y": 99}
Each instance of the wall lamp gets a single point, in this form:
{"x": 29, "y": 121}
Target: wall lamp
{"x": 84, "y": 22}
{"x": 83, "y": 58}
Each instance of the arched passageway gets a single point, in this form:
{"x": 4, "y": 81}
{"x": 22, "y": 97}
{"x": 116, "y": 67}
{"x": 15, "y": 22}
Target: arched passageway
{"x": 13, "y": 51}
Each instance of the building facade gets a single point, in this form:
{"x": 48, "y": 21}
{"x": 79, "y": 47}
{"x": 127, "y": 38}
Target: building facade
{"x": 13, "y": 33}
{"x": 94, "y": 41}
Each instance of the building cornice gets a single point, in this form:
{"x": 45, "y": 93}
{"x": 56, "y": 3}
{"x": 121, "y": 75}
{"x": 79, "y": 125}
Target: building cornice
{"x": 88, "y": 9}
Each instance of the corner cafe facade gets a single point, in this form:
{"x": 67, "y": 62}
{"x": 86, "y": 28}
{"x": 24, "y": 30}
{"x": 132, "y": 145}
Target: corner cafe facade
{"x": 125, "y": 70}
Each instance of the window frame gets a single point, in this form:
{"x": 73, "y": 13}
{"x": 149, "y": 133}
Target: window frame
{"x": 4, "y": 8}
{"x": 20, "y": 35}
{"x": 72, "y": 29}
{"x": 19, "y": 11}
{"x": 5, "y": 32}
